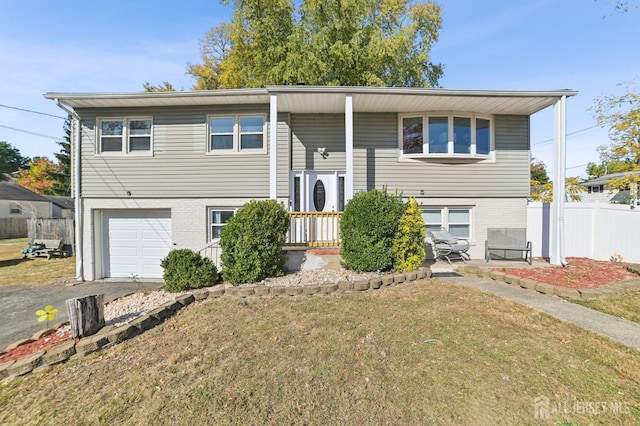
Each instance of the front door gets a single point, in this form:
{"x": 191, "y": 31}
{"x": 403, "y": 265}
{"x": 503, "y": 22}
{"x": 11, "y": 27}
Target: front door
{"x": 317, "y": 191}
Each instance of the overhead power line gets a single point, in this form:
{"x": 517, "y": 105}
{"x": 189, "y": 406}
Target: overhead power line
{"x": 32, "y": 111}
{"x": 32, "y": 133}
{"x": 546, "y": 141}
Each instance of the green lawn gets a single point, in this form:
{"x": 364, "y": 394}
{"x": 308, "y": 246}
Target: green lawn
{"x": 426, "y": 352}
{"x": 627, "y": 307}
{"x": 31, "y": 271}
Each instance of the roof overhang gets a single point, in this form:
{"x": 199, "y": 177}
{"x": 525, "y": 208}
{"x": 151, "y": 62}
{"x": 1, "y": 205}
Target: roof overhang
{"x": 327, "y": 99}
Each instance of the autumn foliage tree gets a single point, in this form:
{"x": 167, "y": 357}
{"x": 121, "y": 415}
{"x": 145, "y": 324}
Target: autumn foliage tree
{"x": 322, "y": 42}
{"x": 40, "y": 176}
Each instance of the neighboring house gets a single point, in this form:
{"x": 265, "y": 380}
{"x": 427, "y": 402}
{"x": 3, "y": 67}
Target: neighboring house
{"x": 62, "y": 207}
{"x": 21, "y": 203}
{"x": 599, "y": 189}
{"x": 167, "y": 169}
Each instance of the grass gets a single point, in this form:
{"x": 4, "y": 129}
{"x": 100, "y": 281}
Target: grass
{"x": 30, "y": 271}
{"x": 426, "y": 352}
{"x": 627, "y": 307}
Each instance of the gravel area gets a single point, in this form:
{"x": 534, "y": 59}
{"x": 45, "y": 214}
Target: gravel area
{"x": 127, "y": 308}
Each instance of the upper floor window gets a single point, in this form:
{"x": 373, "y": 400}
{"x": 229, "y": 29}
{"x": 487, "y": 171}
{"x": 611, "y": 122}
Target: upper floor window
{"x": 125, "y": 135}
{"x": 237, "y": 133}
{"x": 444, "y": 135}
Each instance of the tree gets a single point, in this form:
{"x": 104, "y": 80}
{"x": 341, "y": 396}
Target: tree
{"x": 339, "y": 43}
{"x": 62, "y": 185}
{"x": 164, "y": 87}
{"x": 542, "y": 187}
{"x": 10, "y": 159}
{"x": 40, "y": 177}
{"x": 622, "y": 114}
{"x": 539, "y": 174}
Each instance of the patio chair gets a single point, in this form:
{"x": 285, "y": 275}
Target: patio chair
{"x": 448, "y": 247}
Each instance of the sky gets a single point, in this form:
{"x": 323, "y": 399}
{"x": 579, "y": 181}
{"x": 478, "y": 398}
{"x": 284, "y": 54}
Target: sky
{"x": 115, "y": 46}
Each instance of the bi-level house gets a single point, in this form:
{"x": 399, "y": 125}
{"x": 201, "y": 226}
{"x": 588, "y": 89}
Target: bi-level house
{"x": 156, "y": 171}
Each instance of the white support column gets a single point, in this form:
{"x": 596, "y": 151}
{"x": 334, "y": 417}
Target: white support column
{"x": 559, "y": 173}
{"x": 273, "y": 146}
{"x": 348, "y": 129}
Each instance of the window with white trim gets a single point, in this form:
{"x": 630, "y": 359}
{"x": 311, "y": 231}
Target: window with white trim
{"x": 237, "y": 133}
{"x": 15, "y": 208}
{"x": 125, "y": 135}
{"x": 218, "y": 218}
{"x": 445, "y": 135}
{"x": 456, "y": 220}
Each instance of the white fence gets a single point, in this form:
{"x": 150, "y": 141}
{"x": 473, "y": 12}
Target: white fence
{"x": 594, "y": 230}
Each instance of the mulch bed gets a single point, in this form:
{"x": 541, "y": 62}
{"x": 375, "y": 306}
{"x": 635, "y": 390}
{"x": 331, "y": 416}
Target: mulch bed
{"x": 582, "y": 273}
{"x": 44, "y": 343}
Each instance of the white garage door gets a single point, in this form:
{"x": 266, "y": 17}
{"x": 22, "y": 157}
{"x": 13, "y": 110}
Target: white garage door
{"x": 135, "y": 242}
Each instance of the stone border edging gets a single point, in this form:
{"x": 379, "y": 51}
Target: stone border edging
{"x": 610, "y": 291}
{"x": 110, "y": 335}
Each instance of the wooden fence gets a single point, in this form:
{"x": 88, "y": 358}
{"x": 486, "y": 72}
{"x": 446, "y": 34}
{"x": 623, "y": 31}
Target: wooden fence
{"x": 12, "y": 227}
{"x": 53, "y": 229}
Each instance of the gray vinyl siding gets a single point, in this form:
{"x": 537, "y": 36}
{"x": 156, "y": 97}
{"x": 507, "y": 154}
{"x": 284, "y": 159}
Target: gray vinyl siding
{"x": 283, "y": 157}
{"x": 377, "y": 164}
{"x": 179, "y": 166}
{"x": 312, "y": 131}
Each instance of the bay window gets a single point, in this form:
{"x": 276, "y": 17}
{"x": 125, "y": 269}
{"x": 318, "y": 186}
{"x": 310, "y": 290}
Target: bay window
{"x": 445, "y": 135}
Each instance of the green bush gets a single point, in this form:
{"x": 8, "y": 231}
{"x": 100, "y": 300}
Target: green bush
{"x": 408, "y": 244}
{"x": 367, "y": 228}
{"x": 252, "y": 242}
{"x": 185, "y": 269}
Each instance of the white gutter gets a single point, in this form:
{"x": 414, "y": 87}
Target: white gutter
{"x": 75, "y": 143}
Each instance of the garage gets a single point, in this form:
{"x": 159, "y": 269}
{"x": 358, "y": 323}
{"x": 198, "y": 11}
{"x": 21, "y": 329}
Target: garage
{"x": 135, "y": 242}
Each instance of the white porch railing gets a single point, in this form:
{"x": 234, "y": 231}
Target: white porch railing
{"x": 212, "y": 251}
{"x": 314, "y": 229}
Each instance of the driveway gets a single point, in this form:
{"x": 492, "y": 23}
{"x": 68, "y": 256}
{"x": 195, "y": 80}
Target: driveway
{"x": 18, "y": 304}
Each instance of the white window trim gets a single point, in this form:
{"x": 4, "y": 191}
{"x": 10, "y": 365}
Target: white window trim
{"x": 125, "y": 137}
{"x": 444, "y": 218}
{"x": 450, "y": 144}
{"x": 236, "y": 135}
{"x": 210, "y": 223}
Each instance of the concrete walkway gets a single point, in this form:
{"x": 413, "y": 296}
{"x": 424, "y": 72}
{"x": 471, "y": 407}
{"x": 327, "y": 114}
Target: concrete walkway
{"x": 620, "y": 330}
{"x": 19, "y": 303}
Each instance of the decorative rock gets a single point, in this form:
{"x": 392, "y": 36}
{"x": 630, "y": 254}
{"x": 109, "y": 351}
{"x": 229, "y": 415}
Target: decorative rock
{"x": 421, "y": 274}
{"x": 328, "y": 288}
{"x": 294, "y": 291}
{"x": 216, "y": 291}
{"x": 161, "y": 312}
{"x": 18, "y": 343}
{"x": 545, "y": 288}
{"x": 200, "y": 294}
{"x": 4, "y": 367}
{"x": 310, "y": 289}
{"x": 387, "y": 280}
{"x": 231, "y": 291}
{"x": 411, "y": 276}
{"x": 90, "y": 344}
{"x": 375, "y": 283}
{"x": 361, "y": 285}
{"x": 145, "y": 322}
{"x": 588, "y": 293}
{"x": 43, "y": 333}
{"x": 570, "y": 293}
{"x": 172, "y": 306}
{"x": 245, "y": 291}
{"x": 527, "y": 283}
{"x": 261, "y": 290}
{"x": 345, "y": 286}
{"x": 123, "y": 333}
{"x": 512, "y": 279}
{"x": 497, "y": 275}
{"x": 26, "y": 364}
{"x": 399, "y": 278}
{"x": 278, "y": 290}
{"x": 185, "y": 299}
{"x": 59, "y": 353}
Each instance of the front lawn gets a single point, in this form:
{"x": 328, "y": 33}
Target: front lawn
{"x": 426, "y": 352}
{"x": 627, "y": 307}
{"x": 31, "y": 271}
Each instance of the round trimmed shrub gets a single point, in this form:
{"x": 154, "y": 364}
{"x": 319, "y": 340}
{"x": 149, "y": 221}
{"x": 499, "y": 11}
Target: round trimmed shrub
{"x": 367, "y": 228}
{"x": 408, "y": 244}
{"x": 185, "y": 269}
{"x": 252, "y": 242}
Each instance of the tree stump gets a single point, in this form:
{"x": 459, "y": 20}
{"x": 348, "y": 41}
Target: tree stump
{"x": 86, "y": 315}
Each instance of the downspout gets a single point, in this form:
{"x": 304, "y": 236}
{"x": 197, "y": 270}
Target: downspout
{"x": 75, "y": 143}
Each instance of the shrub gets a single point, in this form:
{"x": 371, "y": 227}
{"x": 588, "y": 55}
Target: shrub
{"x": 367, "y": 228}
{"x": 408, "y": 244}
{"x": 252, "y": 242}
{"x": 185, "y": 269}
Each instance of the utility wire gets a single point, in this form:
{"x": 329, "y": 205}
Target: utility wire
{"x": 33, "y": 112}
{"x": 546, "y": 141}
{"x": 32, "y": 133}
